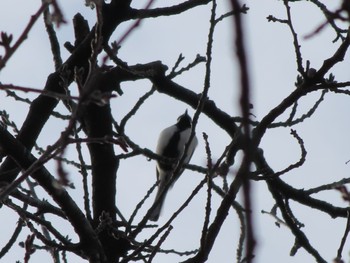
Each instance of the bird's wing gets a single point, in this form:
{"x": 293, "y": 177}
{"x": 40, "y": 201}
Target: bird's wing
{"x": 191, "y": 149}
{"x": 164, "y": 137}
{"x": 185, "y": 135}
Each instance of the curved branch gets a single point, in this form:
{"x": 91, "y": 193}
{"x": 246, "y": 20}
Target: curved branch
{"x": 261, "y": 128}
{"x": 167, "y": 11}
{"x": 299, "y": 163}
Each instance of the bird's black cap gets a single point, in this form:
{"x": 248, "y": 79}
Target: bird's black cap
{"x": 184, "y": 121}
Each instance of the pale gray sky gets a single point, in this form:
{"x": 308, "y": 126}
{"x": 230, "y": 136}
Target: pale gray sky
{"x": 273, "y": 71}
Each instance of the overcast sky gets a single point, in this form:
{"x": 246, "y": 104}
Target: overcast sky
{"x": 273, "y": 73}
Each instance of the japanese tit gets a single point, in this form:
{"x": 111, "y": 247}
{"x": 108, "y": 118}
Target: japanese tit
{"x": 171, "y": 144}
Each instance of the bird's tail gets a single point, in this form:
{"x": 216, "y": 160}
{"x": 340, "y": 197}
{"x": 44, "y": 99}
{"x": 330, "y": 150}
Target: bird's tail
{"x": 157, "y": 210}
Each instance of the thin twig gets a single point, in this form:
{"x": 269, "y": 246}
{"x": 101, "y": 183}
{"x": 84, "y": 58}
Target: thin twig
{"x": 11, "y": 50}
{"x": 159, "y": 243}
{"x": 209, "y": 190}
{"x": 343, "y": 240}
{"x": 292, "y": 166}
{"x": 47, "y": 93}
{"x": 248, "y": 146}
{"x": 12, "y": 239}
{"x": 55, "y": 46}
{"x": 299, "y": 57}
{"x": 84, "y": 173}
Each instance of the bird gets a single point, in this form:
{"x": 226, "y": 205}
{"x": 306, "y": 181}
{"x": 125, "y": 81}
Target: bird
{"x": 171, "y": 144}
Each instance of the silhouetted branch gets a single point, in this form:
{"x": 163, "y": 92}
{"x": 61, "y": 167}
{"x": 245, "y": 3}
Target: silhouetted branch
{"x": 297, "y": 46}
{"x": 343, "y": 240}
{"x": 12, "y": 239}
{"x": 167, "y": 11}
{"x": 7, "y": 39}
{"x": 290, "y": 167}
{"x": 89, "y": 243}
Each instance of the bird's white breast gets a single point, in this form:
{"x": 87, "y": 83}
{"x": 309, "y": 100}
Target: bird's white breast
{"x": 167, "y": 133}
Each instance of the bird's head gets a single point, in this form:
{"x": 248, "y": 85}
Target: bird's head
{"x": 184, "y": 121}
